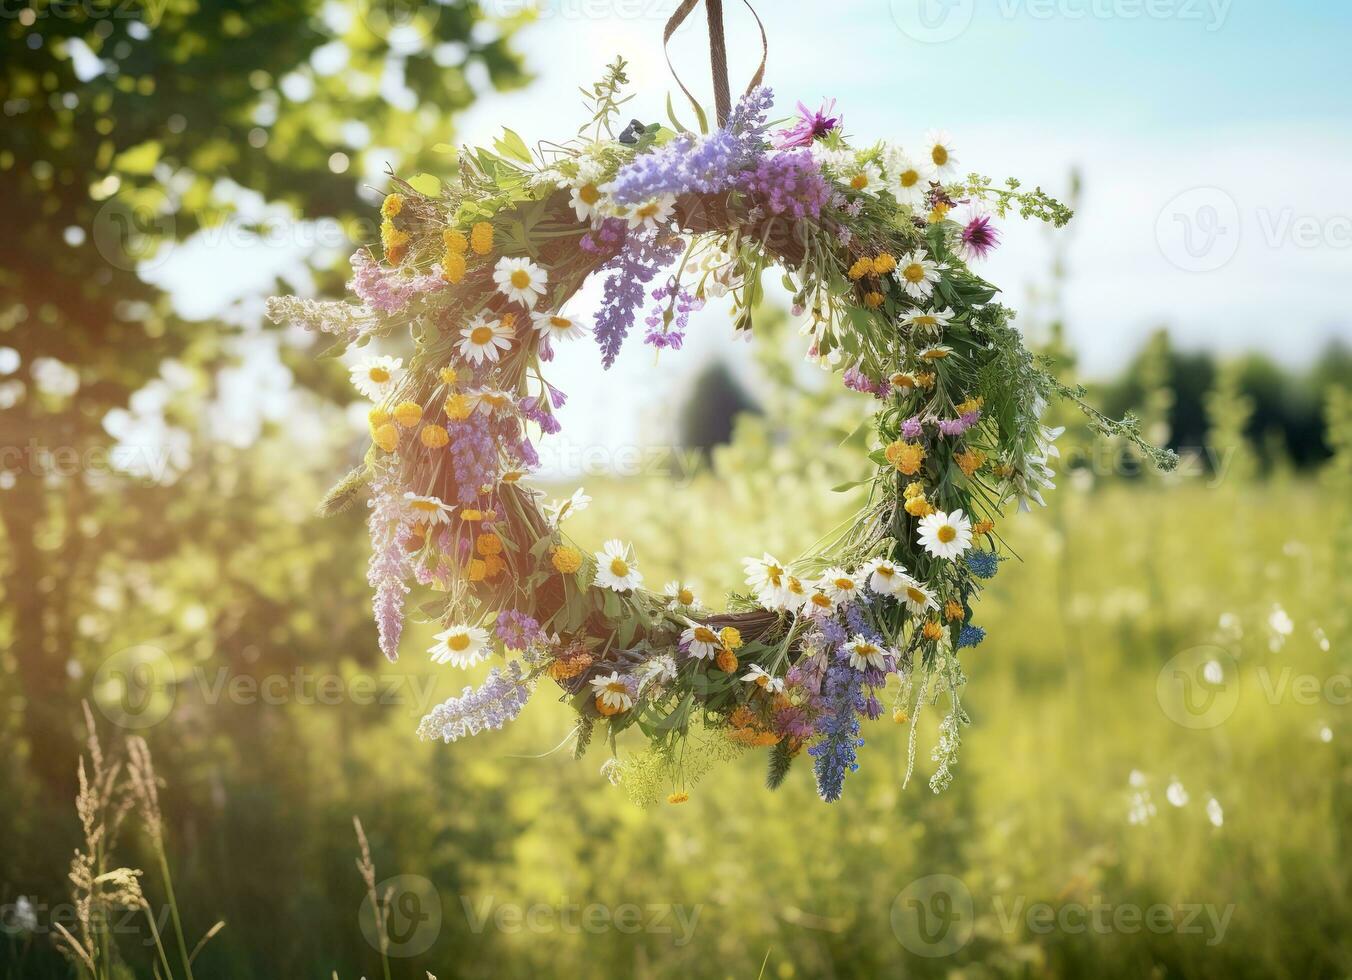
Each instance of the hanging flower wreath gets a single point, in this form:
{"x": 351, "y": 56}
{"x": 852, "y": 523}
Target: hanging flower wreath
{"x": 876, "y": 246}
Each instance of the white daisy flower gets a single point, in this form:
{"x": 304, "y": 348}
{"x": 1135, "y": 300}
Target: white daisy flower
{"x": 945, "y": 535}
{"x": 759, "y": 676}
{"x": 917, "y": 597}
{"x": 681, "y": 595}
{"x": 935, "y": 352}
{"x": 556, "y": 326}
{"x": 700, "y": 641}
{"x": 884, "y": 577}
{"x": 520, "y": 280}
{"x": 615, "y": 567}
{"x": 864, "y": 177}
{"x": 489, "y": 401}
{"x": 917, "y": 273}
{"x": 932, "y": 320}
{"x": 766, "y": 574}
{"x": 483, "y": 339}
{"x": 653, "y": 213}
{"x": 376, "y": 377}
{"x": 819, "y": 602}
{"x": 941, "y": 160}
{"x": 659, "y": 670}
{"x": 427, "y": 510}
{"x": 839, "y": 584}
{"x": 587, "y": 199}
{"x": 460, "y": 646}
{"x": 904, "y": 179}
{"x": 790, "y": 597}
{"x": 559, "y": 509}
{"x": 865, "y": 654}
{"x": 613, "y": 691}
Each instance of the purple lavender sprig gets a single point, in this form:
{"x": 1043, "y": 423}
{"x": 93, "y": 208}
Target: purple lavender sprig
{"x": 691, "y": 164}
{"x": 835, "y": 754}
{"x": 638, "y": 261}
{"x": 492, "y": 706}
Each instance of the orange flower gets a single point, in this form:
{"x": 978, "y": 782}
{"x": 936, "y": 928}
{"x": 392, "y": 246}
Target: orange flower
{"x": 932, "y": 631}
{"x": 453, "y": 267}
{"x": 478, "y": 570}
{"x": 873, "y": 300}
{"x": 884, "y": 264}
{"x": 455, "y": 241}
{"x": 675, "y": 798}
{"x": 905, "y": 456}
{"x": 726, "y": 661}
{"x": 952, "y": 610}
{"x": 481, "y": 238}
{"x": 566, "y": 560}
{"x": 488, "y": 544}
{"x": 970, "y": 461}
{"x": 983, "y": 527}
{"x": 861, "y": 268}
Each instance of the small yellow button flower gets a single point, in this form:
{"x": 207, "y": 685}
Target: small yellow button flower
{"x": 566, "y": 559}
{"x": 481, "y": 238}
{"x": 408, "y": 414}
{"x": 434, "y": 436}
{"x": 386, "y": 437}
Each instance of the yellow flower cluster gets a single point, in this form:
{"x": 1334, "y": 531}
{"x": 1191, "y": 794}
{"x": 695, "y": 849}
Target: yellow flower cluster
{"x": 970, "y": 461}
{"x": 916, "y": 505}
{"x": 932, "y": 631}
{"x": 566, "y": 560}
{"x": 481, "y": 238}
{"x": 905, "y": 456}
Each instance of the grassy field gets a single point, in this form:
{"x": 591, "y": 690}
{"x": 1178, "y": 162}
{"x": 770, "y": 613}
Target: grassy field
{"x": 1079, "y": 838}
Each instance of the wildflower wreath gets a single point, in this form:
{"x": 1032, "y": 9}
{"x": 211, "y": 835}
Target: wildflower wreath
{"x": 875, "y": 245}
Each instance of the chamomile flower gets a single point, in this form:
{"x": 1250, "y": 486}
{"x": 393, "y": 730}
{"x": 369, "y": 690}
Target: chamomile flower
{"x": 556, "y": 326}
{"x": 427, "y": 510}
{"x": 652, "y": 214}
{"x": 460, "y": 646}
{"x": 917, "y": 597}
{"x": 658, "y": 671}
{"x": 613, "y": 691}
{"x": 932, "y": 320}
{"x": 483, "y": 339}
{"x": 766, "y": 574}
{"x": 864, "y": 177}
{"x": 615, "y": 568}
{"x": 520, "y": 280}
{"x": 681, "y": 596}
{"x": 839, "y": 584}
{"x": 904, "y": 179}
{"x": 760, "y": 677}
{"x": 945, "y": 535}
{"x": 376, "y": 377}
{"x": 917, "y": 273}
{"x": 819, "y": 602}
{"x": 935, "y": 352}
{"x": 559, "y": 509}
{"x": 884, "y": 577}
{"x": 941, "y": 160}
{"x": 489, "y": 401}
{"x": 586, "y": 198}
{"x": 700, "y": 641}
{"x": 865, "y": 653}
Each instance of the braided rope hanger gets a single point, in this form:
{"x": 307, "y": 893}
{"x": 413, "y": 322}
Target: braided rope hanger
{"x": 718, "y": 54}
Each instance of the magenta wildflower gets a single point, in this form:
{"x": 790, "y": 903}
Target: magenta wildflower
{"x": 979, "y": 238}
{"x": 810, "y": 126}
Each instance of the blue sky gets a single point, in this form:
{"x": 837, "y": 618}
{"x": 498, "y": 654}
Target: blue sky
{"x": 1213, "y": 137}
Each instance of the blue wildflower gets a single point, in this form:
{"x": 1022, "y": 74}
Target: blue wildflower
{"x": 970, "y": 636}
{"x": 983, "y": 564}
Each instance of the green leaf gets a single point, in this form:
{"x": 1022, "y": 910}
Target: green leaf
{"x": 843, "y": 487}
{"x": 512, "y": 146}
{"x": 427, "y": 185}
{"x": 671, "y": 114}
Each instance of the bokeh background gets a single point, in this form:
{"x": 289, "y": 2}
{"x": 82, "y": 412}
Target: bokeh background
{"x": 1158, "y": 781}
